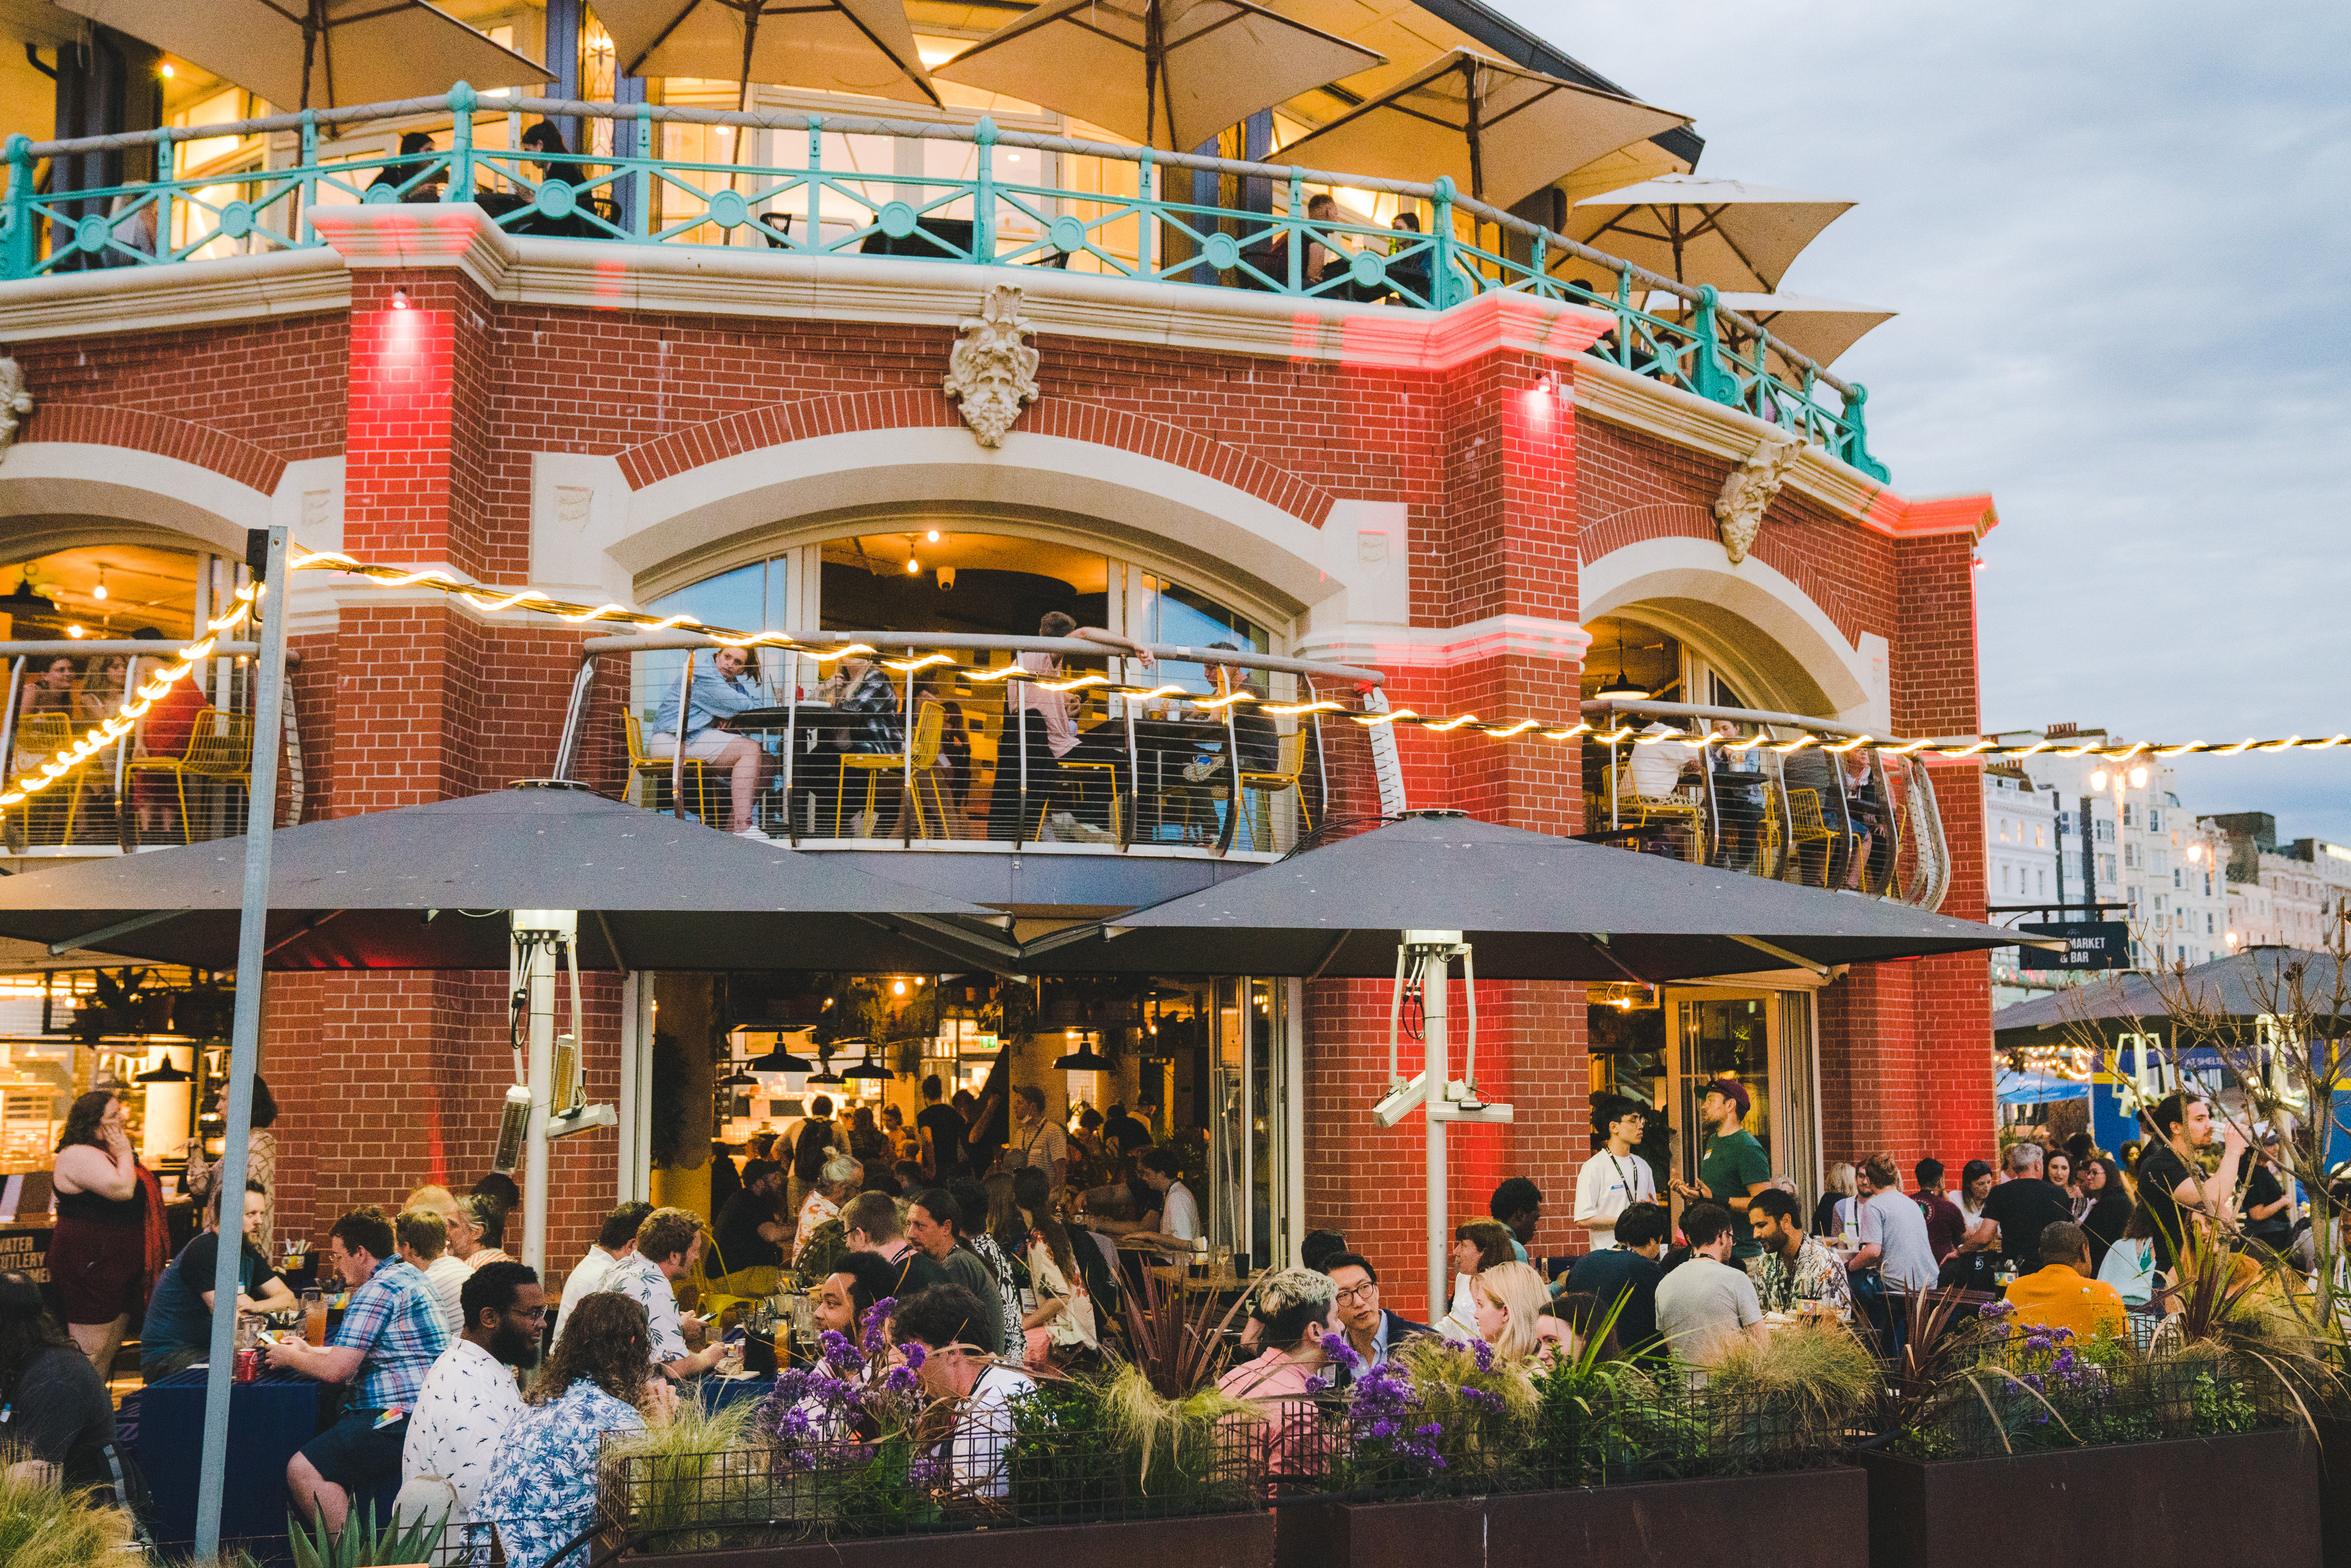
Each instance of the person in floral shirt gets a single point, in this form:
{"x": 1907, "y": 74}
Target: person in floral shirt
{"x": 541, "y": 1494}
{"x": 1795, "y": 1267}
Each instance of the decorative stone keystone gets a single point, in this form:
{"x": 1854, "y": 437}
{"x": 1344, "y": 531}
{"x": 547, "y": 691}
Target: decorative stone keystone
{"x": 16, "y": 402}
{"x": 1750, "y": 489}
{"x": 991, "y": 372}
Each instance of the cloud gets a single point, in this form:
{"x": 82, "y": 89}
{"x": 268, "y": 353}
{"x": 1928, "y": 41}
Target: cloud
{"x": 2117, "y": 238}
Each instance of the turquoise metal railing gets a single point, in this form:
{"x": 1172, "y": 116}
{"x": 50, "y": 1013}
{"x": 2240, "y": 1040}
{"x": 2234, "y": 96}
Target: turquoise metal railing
{"x": 988, "y": 211}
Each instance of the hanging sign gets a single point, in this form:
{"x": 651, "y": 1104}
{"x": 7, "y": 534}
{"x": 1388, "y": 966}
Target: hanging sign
{"x": 2089, "y": 945}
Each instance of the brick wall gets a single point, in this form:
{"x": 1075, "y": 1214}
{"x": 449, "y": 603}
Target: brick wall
{"x": 394, "y": 1078}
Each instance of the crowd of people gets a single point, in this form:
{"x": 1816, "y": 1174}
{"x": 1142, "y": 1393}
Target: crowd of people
{"x": 973, "y": 1231}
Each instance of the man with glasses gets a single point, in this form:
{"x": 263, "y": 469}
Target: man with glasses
{"x": 1376, "y": 1332}
{"x": 1617, "y": 1176}
{"x": 389, "y": 1337}
{"x": 470, "y": 1396}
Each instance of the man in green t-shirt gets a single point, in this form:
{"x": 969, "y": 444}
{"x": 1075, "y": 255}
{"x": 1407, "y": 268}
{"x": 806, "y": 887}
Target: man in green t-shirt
{"x": 1732, "y": 1166}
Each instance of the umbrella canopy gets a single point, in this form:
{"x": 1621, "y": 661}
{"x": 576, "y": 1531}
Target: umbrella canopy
{"x": 1697, "y": 229}
{"x": 1820, "y": 329}
{"x": 2242, "y": 986}
{"x": 323, "y": 53}
{"x": 832, "y": 45}
{"x": 427, "y": 887}
{"x": 1201, "y": 65}
{"x": 1498, "y": 129}
{"x": 1536, "y": 908}
{"x": 2036, "y": 1089}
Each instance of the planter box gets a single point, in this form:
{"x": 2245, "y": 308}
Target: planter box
{"x": 1803, "y": 1518}
{"x": 1208, "y": 1541}
{"x": 2251, "y": 1502}
{"x": 2335, "y": 1490}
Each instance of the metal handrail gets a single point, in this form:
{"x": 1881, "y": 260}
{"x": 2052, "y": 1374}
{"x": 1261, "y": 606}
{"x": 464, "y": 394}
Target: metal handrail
{"x": 1432, "y": 270}
{"x": 810, "y": 643}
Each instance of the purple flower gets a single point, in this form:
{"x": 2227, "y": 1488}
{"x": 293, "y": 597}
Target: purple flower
{"x": 1337, "y": 1349}
{"x": 1483, "y": 1399}
{"x": 899, "y": 1380}
{"x": 877, "y": 1319}
{"x": 1485, "y": 1355}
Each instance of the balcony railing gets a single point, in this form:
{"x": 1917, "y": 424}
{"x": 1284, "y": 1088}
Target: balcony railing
{"x": 180, "y": 774}
{"x": 1742, "y": 789}
{"x": 1162, "y": 754}
{"x": 1140, "y": 218}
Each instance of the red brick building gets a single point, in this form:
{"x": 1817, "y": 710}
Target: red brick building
{"x": 1463, "y": 500}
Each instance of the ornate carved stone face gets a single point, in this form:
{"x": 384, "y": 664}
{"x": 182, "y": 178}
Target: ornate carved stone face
{"x": 16, "y": 402}
{"x": 1750, "y": 489}
{"x": 992, "y": 371}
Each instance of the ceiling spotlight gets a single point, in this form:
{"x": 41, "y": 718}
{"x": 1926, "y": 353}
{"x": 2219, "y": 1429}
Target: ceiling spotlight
{"x": 399, "y": 299}
{"x": 166, "y": 73}
{"x": 897, "y": 988}
{"x": 99, "y": 591}
{"x": 914, "y": 567}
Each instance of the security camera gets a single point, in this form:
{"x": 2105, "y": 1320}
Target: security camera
{"x": 946, "y": 578}
{"x": 1401, "y": 1101}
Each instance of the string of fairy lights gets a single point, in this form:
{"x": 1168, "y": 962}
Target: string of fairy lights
{"x": 490, "y": 600}
{"x": 498, "y": 601}
{"x": 61, "y": 764}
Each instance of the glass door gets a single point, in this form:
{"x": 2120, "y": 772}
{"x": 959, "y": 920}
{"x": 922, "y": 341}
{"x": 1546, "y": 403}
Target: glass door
{"x": 1253, "y": 1076}
{"x": 1765, "y": 1040}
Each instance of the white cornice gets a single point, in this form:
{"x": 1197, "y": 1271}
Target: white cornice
{"x": 187, "y": 294}
{"x": 1445, "y": 647}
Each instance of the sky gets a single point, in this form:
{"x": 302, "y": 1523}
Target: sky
{"x": 2119, "y": 237}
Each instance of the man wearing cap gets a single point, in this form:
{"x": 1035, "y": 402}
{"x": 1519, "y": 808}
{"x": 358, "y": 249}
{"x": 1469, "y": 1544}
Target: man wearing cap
{"x": 1617, "y": 1176}
{"x": 1732, "y": 1166}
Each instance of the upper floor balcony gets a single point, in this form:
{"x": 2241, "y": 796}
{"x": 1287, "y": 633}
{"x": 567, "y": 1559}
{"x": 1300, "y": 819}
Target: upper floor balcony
{"x": 836, "y": 189}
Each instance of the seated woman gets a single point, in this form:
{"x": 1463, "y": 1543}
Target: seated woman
{"x": 60, "y": 1422}
{"x": 1063, "y": 1323}
{"x": 944, "y": 1320}
{"x": 1292, "y": 1312}
{"x": 1477, "y": 1245}
{"x": 1508, "y": 1302}
{"x": 599, "y": 1378}
{"x": 728, "y": 687}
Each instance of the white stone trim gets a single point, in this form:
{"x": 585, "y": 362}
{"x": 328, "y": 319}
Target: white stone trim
{"x": 1445, "y": 647}
{"x": 1688, "y": 587}
{"x": 185, "y": 293}
{"x": 68, "y": 478}
{"x": 1211, "y": 531}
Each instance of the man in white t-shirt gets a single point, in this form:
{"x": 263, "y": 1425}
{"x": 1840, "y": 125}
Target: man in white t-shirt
{"x": 941, "y": 1318}
{"x": 1617, "y": 1177}
{"x": 615, "y": 1239}
{"x": 1705, "y": 1305}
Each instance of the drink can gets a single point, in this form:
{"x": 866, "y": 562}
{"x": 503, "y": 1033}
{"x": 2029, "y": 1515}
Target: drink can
{"x": 248, "y": 1365}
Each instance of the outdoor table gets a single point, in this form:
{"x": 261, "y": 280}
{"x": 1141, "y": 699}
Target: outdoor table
{"x": 269, "y": 1419}
{"x": 1162, "y": 748}
{"x": 716, "y": 1394}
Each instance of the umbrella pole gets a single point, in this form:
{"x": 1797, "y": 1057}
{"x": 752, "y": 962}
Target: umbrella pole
{"x": 1154, "y": 62}
{"x": 244, "y": 1046}
{"x": 1433, "y": 966}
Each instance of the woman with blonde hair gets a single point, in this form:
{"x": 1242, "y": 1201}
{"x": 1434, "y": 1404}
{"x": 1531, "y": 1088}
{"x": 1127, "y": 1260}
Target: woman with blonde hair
{"x": 1837, "y": 1195}
{"x": 1509, "y": 1302}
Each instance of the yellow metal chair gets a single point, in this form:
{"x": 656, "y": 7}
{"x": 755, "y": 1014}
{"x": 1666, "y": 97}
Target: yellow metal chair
{"x": 657, "y": 771}
{"x": 1807, "y": 828}
{"x": 39, "y": 738}
{"x": 1290, "y": 762}
{"x": 930, "y": 723}
{"x": 1634, "y": 810}
{"x": 219, "y": 750}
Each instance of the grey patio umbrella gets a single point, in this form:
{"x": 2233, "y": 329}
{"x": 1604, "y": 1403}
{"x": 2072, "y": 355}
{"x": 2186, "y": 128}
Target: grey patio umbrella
{"x": 427, "y": 887}
{"x": 1536, "y": 907}
{"x": 2240, "y": 985}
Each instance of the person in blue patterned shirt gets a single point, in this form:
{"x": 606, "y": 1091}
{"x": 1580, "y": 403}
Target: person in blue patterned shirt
{"x": 389, "y": 1339}
{"x": 599, "y": 1378}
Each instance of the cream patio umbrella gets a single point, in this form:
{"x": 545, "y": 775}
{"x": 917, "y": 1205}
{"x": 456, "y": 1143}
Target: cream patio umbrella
{"x": 1696, "y": 229}
{"x": 1501, "y": 131}
{"x": 1205, "y": 65}
{"x": 357, "y": 51}
{"x": 1820, "y": 329}
{"x": 832, "y": 45}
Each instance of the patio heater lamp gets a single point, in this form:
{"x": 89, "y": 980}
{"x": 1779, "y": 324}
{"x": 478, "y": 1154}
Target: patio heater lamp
{"x": 1617, "y": 687}
{"x": 1084, "y": 1059}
